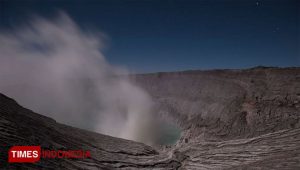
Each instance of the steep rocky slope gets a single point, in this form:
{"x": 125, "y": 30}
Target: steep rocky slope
{"x": 230, "y": 119}
{"x": 20, "y": 126}
{"x": 227, "y": 104}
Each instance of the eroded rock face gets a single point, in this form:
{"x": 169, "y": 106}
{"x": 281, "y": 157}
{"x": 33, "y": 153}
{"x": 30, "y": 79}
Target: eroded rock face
{"x": 278, "y": 150}
{"x": 230, "y": 119}
{"x": 227, "y": 104}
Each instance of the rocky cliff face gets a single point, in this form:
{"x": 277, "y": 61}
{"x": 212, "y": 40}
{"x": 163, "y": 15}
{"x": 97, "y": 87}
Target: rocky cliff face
{"x": 227, "y": 104}
{"x": 230, "y": 119}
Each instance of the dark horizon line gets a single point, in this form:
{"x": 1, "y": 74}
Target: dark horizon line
{"x": 217, "y": 69}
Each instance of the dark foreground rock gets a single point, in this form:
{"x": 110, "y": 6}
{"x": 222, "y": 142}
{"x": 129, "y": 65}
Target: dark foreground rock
{"x": 230, "y": 119}
{"x": 20, "y": 126}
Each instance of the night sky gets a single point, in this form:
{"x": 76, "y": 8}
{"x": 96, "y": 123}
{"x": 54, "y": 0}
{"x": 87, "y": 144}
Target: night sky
{"x": 168, "y": 35}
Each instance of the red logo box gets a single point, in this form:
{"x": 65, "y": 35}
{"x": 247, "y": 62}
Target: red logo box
{"x": 24, "y": 154}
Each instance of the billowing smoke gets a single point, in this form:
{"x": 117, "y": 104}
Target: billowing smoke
{"x": 55, "y": 68}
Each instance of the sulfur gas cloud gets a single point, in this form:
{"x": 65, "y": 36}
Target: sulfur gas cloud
{"x": 54, "y": 68}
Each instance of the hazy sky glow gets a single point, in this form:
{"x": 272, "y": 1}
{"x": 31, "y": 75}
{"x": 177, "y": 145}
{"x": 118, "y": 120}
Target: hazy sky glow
{"x": 152, "y": 35}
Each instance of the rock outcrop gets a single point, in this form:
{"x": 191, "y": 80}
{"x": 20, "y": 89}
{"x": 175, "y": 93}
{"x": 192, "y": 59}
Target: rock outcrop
{"x": 230, "y": 119}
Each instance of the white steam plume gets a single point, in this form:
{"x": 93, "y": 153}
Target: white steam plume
{"x": 54, "y": 68}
